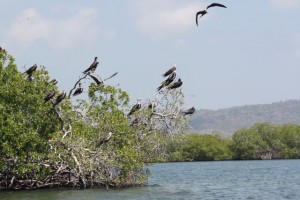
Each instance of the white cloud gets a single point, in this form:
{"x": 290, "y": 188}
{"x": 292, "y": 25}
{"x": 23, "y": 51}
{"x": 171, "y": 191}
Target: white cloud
{"x": 30, "y": 26}
{"x": 285, "y": 4}
{"x": 162, "y": 18}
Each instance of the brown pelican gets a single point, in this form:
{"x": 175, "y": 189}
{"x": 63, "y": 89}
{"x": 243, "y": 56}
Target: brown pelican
{"x": 49, "y": 96}
{"x": 78, "y": 91}
{"x": 189, "y": 111}
{"x": 92, "y": 67}
{"x": 170, "y": 71}
{"x": 167, "y": 82}
{"x": 204, "y": 12}
{"x": 176, "y": 84}
{"x": 136, "y": 107}
{"x": 60, "y": 97}
{"x": 31, "y": 69}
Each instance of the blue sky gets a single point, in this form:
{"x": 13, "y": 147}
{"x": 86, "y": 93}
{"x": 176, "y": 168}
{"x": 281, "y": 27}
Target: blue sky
{"x": 246, "y": 54}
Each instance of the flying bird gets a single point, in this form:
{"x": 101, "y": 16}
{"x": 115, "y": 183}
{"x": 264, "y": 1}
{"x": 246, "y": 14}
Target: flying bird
{"x": 170, "y": 71}
{"x": 189, "y": 111}
{"x": 176, "y": 84}
{"x": 60, "y": 97}
{"x": 49, "y": 96}
{"x": 92, "y": 67}
{"x": 204, "y": 12}
{"x": 31, "y": 69}
{"x": 168, "y": 81}
{"x": 78, "y": 91}
{"x": 135, "y": 108}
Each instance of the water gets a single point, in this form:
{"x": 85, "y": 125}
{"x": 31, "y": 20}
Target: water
{"x": 277, "y": 179}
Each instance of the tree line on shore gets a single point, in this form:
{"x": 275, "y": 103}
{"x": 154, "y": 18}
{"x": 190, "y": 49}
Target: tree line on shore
{"x": 261, "y": 141}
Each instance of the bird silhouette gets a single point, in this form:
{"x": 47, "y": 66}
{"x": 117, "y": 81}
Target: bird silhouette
{"x": 31, "y": 69}
{"x": 92, "y": 67}
{"x": 60, "y": 97}
{"x": 189, "y": 111}
{"x": 168, "y": 81}
{"x": 78, "y": 91}
{"x": 170, "y": 71}
{"x": 204, "y": 12}
{"x": 49, "y": 96}
{"x": 176, "y": 84}
{"x": 135, "y": 108}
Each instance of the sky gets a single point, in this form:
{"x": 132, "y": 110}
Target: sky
{"x": 246, "y": 54}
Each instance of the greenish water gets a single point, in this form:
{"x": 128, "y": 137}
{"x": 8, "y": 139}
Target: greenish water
{"x": 277, "y": 179}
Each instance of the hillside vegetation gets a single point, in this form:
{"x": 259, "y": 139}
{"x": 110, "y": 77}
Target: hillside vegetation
{"x": 227, "y": 121}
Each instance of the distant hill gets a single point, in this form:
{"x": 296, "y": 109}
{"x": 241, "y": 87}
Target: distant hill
{"x": 227, "y": 121}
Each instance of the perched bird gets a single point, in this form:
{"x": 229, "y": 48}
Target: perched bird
{"x": 60, "y": 97}
{"x": 49, "y": 96}
{"x": 170, "y": 71}
{"x": 105, "y": 139}
{"x": 31, "y": 69}
{"x": 189, "y": 111}
{"x": 176, "y": 84}
{"x": 168, "y": 81}
{"x": 92, "y": 67}
{"x": 53, "y": 81}
{"x": 136, "y": 107}
{"x": 204, "y": 12}
{"x": 98, "y": 82}
{"x": 29, "y": 78}
{"x": 78, "y": 91}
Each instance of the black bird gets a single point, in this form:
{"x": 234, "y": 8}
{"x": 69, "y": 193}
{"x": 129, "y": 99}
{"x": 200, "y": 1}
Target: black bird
{"x": 98, "y": 82}
{"x": 189, "y": 111}
{"x": 170, "y": 71}
{"x": 49, "y": 96}
{"x": 31, "y": 69}
{"x": 176, "y": 84}
{"x": 204, "y": 12}
{"x": 136, "y": 107}
{"x": 29, "y": 78}
{"x": 54, "y": 81}
{"x": 60, "y": 97}
{"x": 78, "y": 91}
{"x": 168, "y": 81}
{"x": 92, "y": 67}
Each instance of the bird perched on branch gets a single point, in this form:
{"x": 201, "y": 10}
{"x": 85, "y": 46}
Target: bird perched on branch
{"x": 204, "y": 12}
{"x": 170, "y": 71}
{"x": 176, "y": 84}
{"x": 53, "y": 81}
{"x": 31, "y": 70}
{"x": 79, "y": 90}
{"x": 189, "y": 111}
{"x": 92, "y": 67}
{"x": 135, "y": 108}
{"x": 49, "y": 96}
{"x": 60, "y": 97}
{"x": 168, "y": 81}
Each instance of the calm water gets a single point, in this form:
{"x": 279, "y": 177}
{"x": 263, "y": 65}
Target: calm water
{"x": 278, "y": 179}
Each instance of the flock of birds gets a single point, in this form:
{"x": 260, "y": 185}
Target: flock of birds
{"x": 168, "y": 83}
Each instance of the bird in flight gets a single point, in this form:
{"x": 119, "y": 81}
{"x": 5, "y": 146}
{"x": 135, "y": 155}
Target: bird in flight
{"x": 204, "y": 12}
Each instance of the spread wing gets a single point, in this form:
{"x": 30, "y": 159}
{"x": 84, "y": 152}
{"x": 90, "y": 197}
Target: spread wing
{"x": 215, "y": 4}
{"x": 203, "y": 12}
